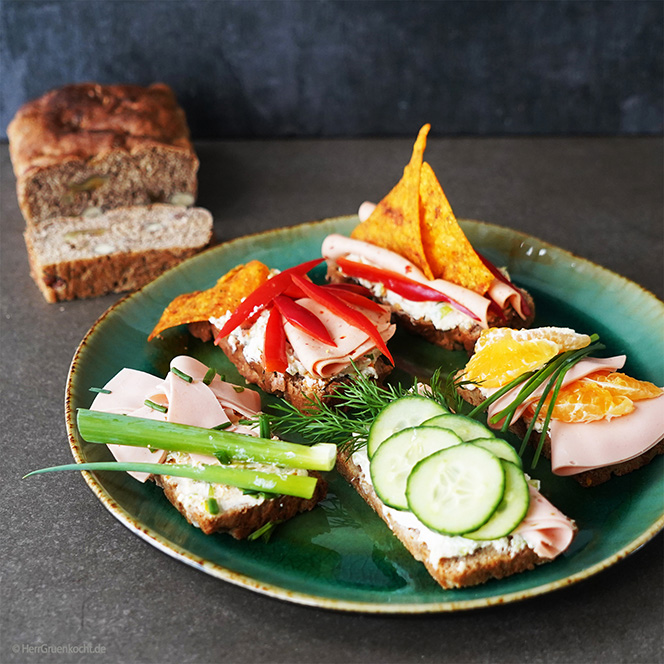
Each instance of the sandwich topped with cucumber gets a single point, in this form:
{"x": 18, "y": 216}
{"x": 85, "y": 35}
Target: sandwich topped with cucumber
{"x": 453, "y": 492}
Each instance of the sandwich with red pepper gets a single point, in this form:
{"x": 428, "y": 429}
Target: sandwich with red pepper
{"x": 411, "y": 253}
{"x": 285, "y": 333}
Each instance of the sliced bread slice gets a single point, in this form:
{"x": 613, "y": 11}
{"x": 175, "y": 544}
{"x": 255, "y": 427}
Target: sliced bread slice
{"x": 119, "y": 250}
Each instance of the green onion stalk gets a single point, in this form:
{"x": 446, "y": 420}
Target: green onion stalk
{"x": 108, "y": 428}
{"x": 300, "y": 486}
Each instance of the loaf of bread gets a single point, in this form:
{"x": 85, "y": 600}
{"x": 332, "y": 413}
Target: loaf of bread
{"x": 96, "y": 147}
{"x": 120, "y": 250}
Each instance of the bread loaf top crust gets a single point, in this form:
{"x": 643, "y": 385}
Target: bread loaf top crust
{"x": 83, "y": 120}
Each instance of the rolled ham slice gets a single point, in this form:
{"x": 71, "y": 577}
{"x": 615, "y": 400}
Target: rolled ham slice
{"x": 324, "y": 361}
{"x": 503, "y": 294}
{"x": 335, "y": 246}
{"x": 577, "y": 447}
{"x": 194, "y": 403}
{"x": 545, "y": 528}
{"x": 580, "y": 446}
{"x": 580, "y": 370}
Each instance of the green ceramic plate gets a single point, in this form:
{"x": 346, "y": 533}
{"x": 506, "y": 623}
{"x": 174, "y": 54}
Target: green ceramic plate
{"x": 341, "y": 555}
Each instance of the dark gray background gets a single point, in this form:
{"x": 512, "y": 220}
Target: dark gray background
{"x": 354, "y": 68}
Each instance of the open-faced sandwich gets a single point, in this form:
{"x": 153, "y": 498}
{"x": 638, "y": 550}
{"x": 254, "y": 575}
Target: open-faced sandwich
{"x": 411, "y": 253}
{"x": 451, "y": 491}
{"x": 590, "y": 419}
{"x": 284, "y": 333}
{"x": 204, "y": 442}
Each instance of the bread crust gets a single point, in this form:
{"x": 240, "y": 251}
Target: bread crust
{"x": 67, "y": 275}
{"x": 241, "y": 522}
{"x": 297, "y": 390}
{"x": 101, "y": 146}
{"x": 475, "y": 568}
{"x": 587, "y": 478}
{"x": 456, "y": 338}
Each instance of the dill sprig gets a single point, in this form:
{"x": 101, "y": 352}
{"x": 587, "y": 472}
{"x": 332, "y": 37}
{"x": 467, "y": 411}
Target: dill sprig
{"x": 343, "y": 418}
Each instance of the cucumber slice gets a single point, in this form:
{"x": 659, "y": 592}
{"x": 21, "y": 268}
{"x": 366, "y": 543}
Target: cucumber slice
{"x": 456, "y": 490}
{"x": 465, "y": 427}
{"x": 401, "y": 414}
{"x": 500, "y": 448}
{"x": 512, "y": 508}
{"x": 391, "y": 464}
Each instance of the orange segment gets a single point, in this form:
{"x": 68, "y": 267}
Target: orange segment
{"x": 586, "y": 401}
{"x": 502, "y": 354}
{"x": 508, "y": 358}
{"x": 565, "y": 337}
{"x": 619, "y": 384}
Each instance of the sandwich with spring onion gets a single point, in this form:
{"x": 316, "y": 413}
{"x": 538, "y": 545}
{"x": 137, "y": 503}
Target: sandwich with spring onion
{"x": 203, "y": 441}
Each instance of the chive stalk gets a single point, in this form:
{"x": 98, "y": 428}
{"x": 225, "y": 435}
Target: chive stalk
{"x": 99, "y": 390}
{"x": 98, "y": 427}
{"x": 300, "y": 486}
{"x": 156, "y": 406}
{"x": 209, "y": 375}
{"x": 181, "y": 374}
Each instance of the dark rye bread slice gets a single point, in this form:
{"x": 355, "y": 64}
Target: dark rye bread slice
{"x": 457, "y": 338}
{"x": 89, "y": 146}
{"x": 588, "y": 478}
{"x": 297, "y": 390}
{"x": 488, "y": 562}
{"x": 244, "y": 519}
{"x": 120, "y": 250}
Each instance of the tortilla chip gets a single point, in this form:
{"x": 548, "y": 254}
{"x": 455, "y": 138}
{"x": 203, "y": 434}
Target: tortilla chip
{"x": 448, "y": 252}
{"x": 395, "y": 223}
{"x": 224, "y": 296}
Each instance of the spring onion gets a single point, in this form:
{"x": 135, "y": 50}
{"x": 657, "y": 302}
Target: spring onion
{"x": 300, "y": 486}
{"x": 98, "y": 427}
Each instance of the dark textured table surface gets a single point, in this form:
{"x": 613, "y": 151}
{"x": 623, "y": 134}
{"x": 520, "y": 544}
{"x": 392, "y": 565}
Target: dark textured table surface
{"x": 73, "y": 575}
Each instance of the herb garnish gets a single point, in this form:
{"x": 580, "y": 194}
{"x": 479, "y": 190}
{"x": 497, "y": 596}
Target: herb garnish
{"x": 156, "y": 406}
{"x": 343, "y": 418}
{"x": 209, "y": 376}
{"x": 181, "y": 374}
{"x": 99, "y": 390}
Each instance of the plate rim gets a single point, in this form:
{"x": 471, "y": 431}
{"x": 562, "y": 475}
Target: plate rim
{"x": 173, "y": 550}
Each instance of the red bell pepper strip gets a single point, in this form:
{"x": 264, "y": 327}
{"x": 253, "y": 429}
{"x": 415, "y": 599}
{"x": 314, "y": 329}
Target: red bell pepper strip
{"x": 355, "y": 299}
{"x": 501, "y": 277}
{"x": 303, "y": 319}
{"x": 263, "y": 295}
{"x": 274, "y": 350}
{"x": 340, "y": 308}
{"x": 353, "y": 288}
{"x": 411, "y": 290}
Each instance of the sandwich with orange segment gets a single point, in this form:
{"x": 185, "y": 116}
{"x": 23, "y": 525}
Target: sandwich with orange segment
{"x": 411, "y": 253}
{"x": 286, "y": 334}
{"x": 582, "y": 412}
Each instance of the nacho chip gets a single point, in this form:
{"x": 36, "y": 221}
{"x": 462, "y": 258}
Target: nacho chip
{"x": 224, "y": 296}
{"x": 448, "y": 252}
{"x": 395, "y": 223}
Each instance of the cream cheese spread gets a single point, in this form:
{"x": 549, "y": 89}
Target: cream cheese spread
{"x": 439, "y": 546}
